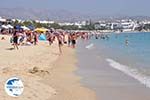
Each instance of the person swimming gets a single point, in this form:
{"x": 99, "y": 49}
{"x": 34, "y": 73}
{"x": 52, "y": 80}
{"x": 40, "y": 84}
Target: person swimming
{"x": 126, "y": 42}
{"x": 96, "y": 36}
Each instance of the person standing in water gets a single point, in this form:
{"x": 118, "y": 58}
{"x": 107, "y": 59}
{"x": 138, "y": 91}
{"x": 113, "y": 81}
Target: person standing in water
{"x": 126, "y": 42}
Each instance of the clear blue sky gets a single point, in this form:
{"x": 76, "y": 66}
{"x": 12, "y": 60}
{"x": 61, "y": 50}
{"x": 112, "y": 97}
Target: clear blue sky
{"x": 99, "y": 7}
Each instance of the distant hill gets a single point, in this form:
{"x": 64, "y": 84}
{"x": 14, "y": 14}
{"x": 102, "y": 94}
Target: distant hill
{"x": 57, "y": 15}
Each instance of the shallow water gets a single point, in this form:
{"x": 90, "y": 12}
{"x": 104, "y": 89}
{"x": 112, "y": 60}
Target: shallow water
{"x": 111, "y": 63}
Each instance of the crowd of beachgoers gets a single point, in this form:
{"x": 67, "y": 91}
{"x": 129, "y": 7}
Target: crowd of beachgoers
{"x": 20, "y": 37}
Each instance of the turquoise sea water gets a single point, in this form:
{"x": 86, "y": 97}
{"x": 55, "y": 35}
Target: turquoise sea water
{"x": 133, "y": 58}
{"x": 114, "y": 70}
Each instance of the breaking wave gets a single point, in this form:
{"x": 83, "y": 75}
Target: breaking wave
{"x": 131, "y": 72}
{"x": 89, "y": 46}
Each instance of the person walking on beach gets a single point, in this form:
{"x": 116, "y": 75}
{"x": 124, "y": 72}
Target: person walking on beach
{"x": 73, "y": 40}
{"x": 60, "y": 41}
{"x": 35, "y": 38}
{"x": 69, "y": 39}
{"x": 50, "y": 39}
{"x": 15, "y": 39}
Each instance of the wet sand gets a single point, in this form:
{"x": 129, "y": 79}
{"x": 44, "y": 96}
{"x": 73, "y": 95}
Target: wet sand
{"x": 66, "y": 83}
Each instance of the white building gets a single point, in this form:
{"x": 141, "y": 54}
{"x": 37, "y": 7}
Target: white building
{"x": 2, "y": 19}
{"x": 45, "y": 22}
{"x": 65, "y": 24}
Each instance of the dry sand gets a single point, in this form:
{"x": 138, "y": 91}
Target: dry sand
{"x": 46, "y": 75}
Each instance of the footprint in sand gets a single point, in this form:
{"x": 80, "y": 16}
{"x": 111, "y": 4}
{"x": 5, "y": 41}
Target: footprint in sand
{"x": 6, "y": 70}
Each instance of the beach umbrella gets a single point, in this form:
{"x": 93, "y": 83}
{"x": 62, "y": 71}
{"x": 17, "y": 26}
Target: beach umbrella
{"x": 4, "y": 26}
{"x": 43, "y": 30}
{"x": 31, "y": 27}
{"x": 18, "y": 27}
{"x": 2, "y": 20}
{"x": 10, "y": 26}
{"x": 56, "y": 33}
{"x": 25, "y": 28}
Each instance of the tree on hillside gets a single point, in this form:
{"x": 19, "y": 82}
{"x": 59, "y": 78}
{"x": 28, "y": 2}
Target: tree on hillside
{"x": 27, "y": 23}
{"x": 16, "y": 23}
{"x": 146, "y": 27}
{"x": 69, "y": 27}
{"x": 55, "y": 26}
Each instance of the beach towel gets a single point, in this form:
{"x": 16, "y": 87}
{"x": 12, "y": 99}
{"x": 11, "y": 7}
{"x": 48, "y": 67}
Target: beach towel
{"x": 42, "y": 37}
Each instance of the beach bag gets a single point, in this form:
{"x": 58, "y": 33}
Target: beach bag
{"x": 11, "y": 40}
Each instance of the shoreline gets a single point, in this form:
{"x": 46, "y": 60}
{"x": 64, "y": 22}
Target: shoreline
{"x": 65, "y": 81}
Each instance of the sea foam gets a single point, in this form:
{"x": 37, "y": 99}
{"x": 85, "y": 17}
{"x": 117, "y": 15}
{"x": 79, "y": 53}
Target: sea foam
{"x": 131, "y": 72}
{"x": 89, "y": 46}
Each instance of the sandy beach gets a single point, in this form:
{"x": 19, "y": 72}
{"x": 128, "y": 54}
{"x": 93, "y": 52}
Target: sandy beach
{"x": 46, "y": 75}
